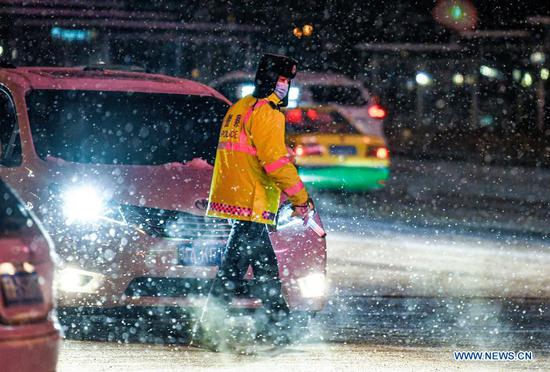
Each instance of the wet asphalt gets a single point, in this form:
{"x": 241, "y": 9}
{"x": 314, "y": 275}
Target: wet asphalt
{"x": 423, "y": 329}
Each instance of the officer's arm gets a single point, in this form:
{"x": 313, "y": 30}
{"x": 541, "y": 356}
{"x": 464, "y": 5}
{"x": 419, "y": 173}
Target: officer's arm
{"x": 268, "y": 135}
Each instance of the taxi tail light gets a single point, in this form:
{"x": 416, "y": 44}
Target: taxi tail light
{"x": 308, "y": 150}
{"x": 294, "y": 116}
{"x": 376, "y": 111}
{"x": 378, "y": 152}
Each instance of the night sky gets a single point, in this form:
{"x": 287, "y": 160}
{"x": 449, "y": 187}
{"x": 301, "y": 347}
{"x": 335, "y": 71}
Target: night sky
{"x": 354, "y": 21}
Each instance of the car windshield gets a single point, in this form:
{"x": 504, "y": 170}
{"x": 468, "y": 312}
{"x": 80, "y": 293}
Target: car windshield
{"x": 338, "y": 94}
{"x": 305, "y": 121}
{"x": 107, "y": 127}
{"x": 13, "y": 216}
{"x": 235, "y": 90}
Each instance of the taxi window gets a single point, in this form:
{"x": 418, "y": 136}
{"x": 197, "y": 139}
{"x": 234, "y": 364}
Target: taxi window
{"x": 337, "y": 94}
{"x": 305, "y": 121}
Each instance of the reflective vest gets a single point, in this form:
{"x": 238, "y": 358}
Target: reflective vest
{"x": 252, "y": 164}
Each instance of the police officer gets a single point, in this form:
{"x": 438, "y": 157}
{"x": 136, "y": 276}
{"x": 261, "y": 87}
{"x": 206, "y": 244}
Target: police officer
{"x": 251, "y": 170}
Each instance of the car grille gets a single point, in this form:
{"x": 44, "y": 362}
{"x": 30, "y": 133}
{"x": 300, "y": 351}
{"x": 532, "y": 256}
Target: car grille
{"x": 178, "y": 287}
{"x": 167, "y": 287}
{"x": 176, "y": 225}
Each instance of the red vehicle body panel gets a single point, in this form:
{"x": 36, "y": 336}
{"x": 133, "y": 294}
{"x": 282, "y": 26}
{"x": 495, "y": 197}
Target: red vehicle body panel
{"x": 29, "y": 333}
{"x": 174, "y": 186}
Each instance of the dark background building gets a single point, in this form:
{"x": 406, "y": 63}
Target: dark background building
{"x": 472, "y": 94}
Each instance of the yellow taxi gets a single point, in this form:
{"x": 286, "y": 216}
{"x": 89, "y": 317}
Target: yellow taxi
{"x": 332, "y": 154}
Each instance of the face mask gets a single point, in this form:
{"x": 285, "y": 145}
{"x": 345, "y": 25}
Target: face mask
{"x": 281, "y": 89}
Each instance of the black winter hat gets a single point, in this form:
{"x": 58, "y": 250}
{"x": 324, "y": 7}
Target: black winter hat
{"x": 272, "y": 66}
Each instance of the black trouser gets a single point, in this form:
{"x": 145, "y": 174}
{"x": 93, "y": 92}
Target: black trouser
{"x": 249, "y": 244}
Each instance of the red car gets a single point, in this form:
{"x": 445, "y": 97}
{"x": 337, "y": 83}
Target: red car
{"x": 29, "y": 332}
{"x": 118, "y": 165}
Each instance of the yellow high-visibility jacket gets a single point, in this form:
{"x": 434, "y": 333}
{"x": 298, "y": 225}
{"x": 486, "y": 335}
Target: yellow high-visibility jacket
{"x": 252, "y": 164}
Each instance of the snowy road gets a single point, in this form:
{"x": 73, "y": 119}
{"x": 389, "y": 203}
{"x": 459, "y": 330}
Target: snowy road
{"x": 402, "y": 298}
{"x": 99, "y": 357}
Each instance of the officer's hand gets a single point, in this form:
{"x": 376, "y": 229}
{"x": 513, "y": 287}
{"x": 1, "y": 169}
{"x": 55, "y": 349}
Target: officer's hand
{"x": 303, "y": 210}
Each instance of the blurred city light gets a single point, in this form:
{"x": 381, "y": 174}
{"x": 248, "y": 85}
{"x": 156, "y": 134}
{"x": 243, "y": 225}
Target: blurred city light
{"x": 377, "y": 112}
{"x": 312, "y": 114}
{"x": 294, "y": 116}
{"x": 1, "y": 50}
{"x": 423, "y": 78}
{"x": 527, "y": 80}
{"x": 293, "y": 93}
{"x": 488, "y": 71}
{"x": 246, "y": 89}
{"x": 457, "y": 13}
{"x": 307, "y": 30}
{"x": 71, "y": 35}
{"x": 382, "y": 153}
{"x": 458, "y": 79}
{"x": 538, "y": 58}
{"x": 486, "y": 120}
{"x": 544, "y": 74}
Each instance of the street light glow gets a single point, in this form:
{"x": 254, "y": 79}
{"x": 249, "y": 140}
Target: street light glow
{"x": 458, "y": 79}
{"x": 456, "y": 12}
{"x": 538, "y": 58}
{"x": 527, "y": 80}
{"x": 307, "y": 30}
{"x": 422, "y": 78}
{"x": 246, "y": 89}
{"x": 488, "y": 71}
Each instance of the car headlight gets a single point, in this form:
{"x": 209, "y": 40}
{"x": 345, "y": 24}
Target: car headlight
{"x": 313, "y": 285}
{"x": 83, "y": 204}
{"x": 77, "y": 280}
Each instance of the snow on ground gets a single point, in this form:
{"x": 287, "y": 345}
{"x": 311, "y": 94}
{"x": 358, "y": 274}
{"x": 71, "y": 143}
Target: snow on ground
{"x": 451, "y": 195}
{"x": 97, "y": 357}
{"x": 438, "y": 265}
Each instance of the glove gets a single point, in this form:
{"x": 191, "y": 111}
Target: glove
{"x": 302, "y": 210}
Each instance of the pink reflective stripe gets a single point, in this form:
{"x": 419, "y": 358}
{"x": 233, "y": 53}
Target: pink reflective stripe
{"x": 242, "y": 145}
{"x": 243, "y": 137}
{"x": 251, "y": 110}
{"x": 247, "y": 116}
{"x": 277, "y": 164}
{"x": 293, "y": 190}
{"x": 239, "y": 147}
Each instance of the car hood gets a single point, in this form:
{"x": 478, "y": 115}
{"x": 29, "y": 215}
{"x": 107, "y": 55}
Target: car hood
{"x": 172, "y": 186}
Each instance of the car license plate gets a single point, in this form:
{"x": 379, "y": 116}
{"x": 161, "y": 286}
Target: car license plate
{"x": 200, "y": 254}
{"x": 343, "y": 150}
{"x": 21, "y": 288}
